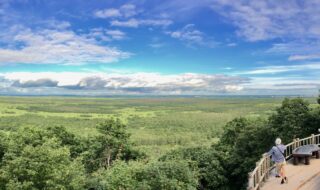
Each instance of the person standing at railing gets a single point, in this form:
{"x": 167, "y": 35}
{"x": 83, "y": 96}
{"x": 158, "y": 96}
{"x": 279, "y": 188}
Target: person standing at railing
{"x": 277, "y": 154}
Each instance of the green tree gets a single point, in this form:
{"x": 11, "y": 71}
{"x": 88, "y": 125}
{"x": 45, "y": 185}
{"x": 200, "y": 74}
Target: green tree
{"x": 232, "y": 130}
{"x": 75, "y": 144}
{"x": 290, "y": 119}
{"x": 33, "y": 161}
{"x": 172, "y": 174}
{"x": 244, "y": 141}
{"x": 312, "y": 123}
{"x": 111, "y": 144}
{"x": 3, "y": 145}
{"x": 209, "y": 162}
{"x": 158, "y": 175}
{"x": 122, "y": 175}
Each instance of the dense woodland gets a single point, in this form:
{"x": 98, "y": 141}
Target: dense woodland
{"x": 52, "y": 157}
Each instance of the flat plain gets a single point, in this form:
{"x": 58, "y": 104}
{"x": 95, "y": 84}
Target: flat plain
{"x": 156, "y": 124}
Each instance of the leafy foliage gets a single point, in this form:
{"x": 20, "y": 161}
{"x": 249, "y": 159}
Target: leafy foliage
{"x": 252, "y": 141}
{"x": 291, "y": 118}
{"x": 165, "y": 175}
{"x": 209, "y": 162}
{"x": 34, "y": 161}
{"x": 111, "y": 144}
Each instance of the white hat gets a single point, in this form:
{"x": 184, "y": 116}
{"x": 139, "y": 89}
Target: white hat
{"x": 278, "y": 141}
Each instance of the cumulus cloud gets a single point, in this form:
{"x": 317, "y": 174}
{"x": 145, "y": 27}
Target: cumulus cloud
{"x": 91, "y": 82}
{"x": 56, "y": 47}
{"x": 76, "y": 83}
{"x": 136, "y": 83}
{"x": 35, "y": 83}
{"x": 191, "y": 36}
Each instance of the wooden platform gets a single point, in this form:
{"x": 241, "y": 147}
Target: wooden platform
{"x": 301, "y": 177}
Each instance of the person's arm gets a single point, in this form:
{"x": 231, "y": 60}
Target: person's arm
{"x": 283, "y": 147}
{"x": 270, "y": 151}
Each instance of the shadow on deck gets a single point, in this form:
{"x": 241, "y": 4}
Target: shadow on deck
{"x": 300, "y": 177}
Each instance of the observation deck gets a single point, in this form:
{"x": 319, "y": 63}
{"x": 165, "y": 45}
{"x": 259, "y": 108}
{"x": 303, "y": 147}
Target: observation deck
{"x": 300, "y": 177}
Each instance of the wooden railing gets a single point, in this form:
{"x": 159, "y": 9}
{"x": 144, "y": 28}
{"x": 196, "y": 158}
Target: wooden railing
{"x": 263, "y": 167}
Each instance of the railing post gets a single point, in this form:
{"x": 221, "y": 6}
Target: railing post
{"x": 298, "y": 143}
{"x": 259, "y": 177}
{"x": 258, "y": 172}
{"x": 250, "y": 181}
{"x": 294, "y": 146}
{"x": 267, "y": 165}
{"x": 313, "y": 139}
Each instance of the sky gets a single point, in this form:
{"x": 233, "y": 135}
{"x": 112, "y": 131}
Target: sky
{"x": 159, "y": 47}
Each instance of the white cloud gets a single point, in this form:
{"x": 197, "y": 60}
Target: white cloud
{"x": 134, "y": 83}
{"x": 191, "y": 36}
{"x": 95, "y": 83}
{"x": 303, "y": 57}
{"x": 116, "y": 34}
{"x": 107, "y": 13}
{"x": 126, "y": 17}
{"x": 132, "y": 23}
{"x": 282, "y": 83}
{"x": 126, "y": 11}
{"x": 56, "y": 47}
{"x": 283, "y": 69}
{"x": 296, "y": 47}
{"x": 262, "y": 20}
{"x": 155, "y": 22}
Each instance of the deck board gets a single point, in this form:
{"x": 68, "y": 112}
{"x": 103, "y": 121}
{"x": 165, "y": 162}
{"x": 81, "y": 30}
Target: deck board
{"x": 301, "y": 177}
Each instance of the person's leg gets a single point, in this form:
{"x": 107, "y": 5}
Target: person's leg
{"x": 278, "y": 167}
{"x": 284, "y": 173}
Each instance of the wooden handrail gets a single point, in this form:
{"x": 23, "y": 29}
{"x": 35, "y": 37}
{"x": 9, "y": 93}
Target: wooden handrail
{"x": 263, "y": 167}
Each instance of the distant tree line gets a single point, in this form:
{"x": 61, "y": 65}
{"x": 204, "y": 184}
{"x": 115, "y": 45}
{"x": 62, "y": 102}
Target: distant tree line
{"x": 53, "y": 158}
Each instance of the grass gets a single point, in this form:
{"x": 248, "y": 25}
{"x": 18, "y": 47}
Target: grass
{"x": 157, "y": 124}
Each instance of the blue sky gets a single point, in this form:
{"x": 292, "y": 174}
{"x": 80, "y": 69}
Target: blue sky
{"x": 204, "y": 47}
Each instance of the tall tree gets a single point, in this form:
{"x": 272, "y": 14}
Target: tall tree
{"x": 290, "y": 119}
{"x": 111, "y": 144}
